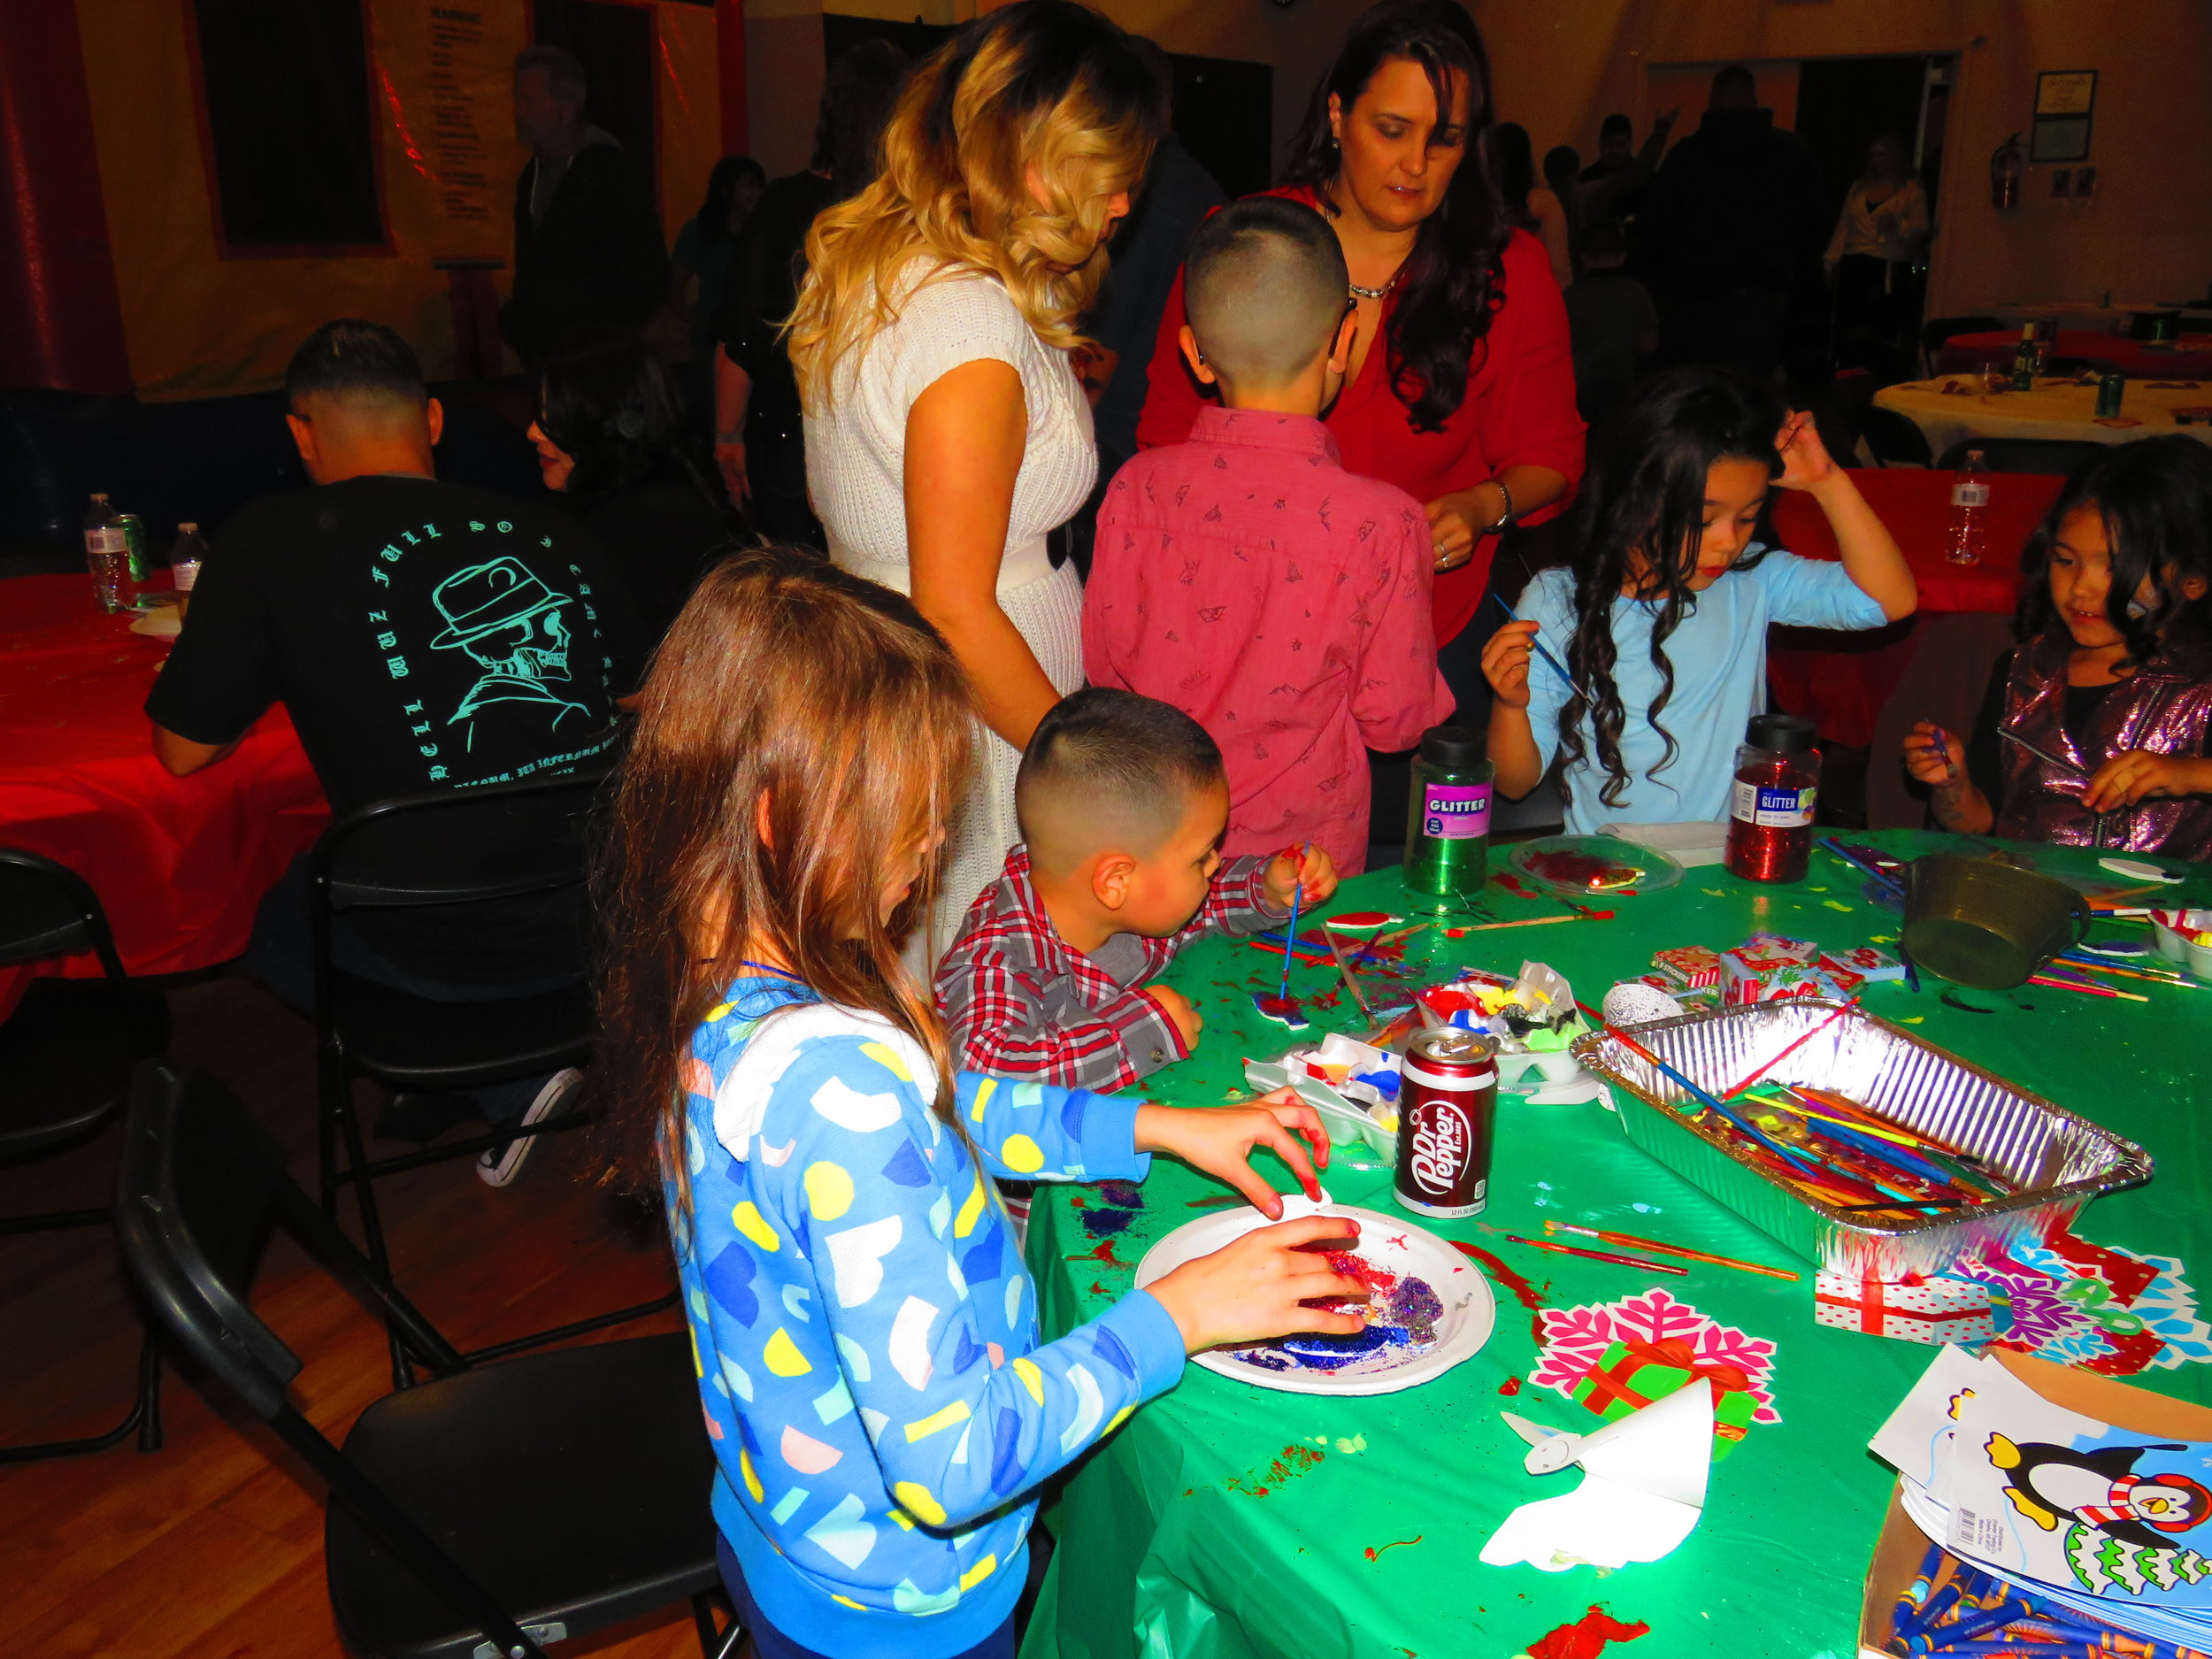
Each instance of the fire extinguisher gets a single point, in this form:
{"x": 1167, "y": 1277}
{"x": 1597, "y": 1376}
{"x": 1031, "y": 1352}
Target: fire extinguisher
{"x": 2004, "y": 173}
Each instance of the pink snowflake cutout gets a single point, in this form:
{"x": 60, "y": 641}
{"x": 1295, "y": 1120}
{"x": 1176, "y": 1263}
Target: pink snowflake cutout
{"x": 1575, "y": 1339}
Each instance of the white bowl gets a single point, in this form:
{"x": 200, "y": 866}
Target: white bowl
{"x": 2200, "y": 961}
{"x": 2171, "y": 945}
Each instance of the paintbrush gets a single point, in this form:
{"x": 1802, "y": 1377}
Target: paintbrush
{"x": 2043, "y": 754}
{"x": 1596, "y": 1255}
{"x": 1351, "y": 982}
{"x": 1792, "y": 1050}
{"x": 1536, "y": 645}
{"x": 1297, "y": 893}
{"x": 1606, "y": 1237}
{"x": 1538, "y": 921}
{"x": 2084, "y": 988}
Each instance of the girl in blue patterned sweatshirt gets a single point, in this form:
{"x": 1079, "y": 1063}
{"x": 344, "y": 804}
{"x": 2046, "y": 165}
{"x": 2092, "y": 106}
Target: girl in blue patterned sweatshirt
{"x": 881, "y": 1407}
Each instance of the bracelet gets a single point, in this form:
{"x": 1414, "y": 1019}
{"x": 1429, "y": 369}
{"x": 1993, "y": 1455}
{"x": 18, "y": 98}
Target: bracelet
{"x": 1505, "y": 518}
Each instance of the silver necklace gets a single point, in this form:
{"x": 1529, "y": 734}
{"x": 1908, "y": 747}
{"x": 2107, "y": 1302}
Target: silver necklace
{"x": 1360, "y": 293}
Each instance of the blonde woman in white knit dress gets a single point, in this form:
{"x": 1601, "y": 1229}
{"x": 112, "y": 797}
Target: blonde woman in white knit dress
{"x": 946, "y": 432}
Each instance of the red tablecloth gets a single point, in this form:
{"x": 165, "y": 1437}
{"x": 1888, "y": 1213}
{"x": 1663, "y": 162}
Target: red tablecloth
{"x": 1842, "y": 689}
{"x": 2192, "y": 360}
{"x": 179, "y": 864}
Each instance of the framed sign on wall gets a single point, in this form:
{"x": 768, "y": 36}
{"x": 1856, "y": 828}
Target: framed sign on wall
{"x": 2065, "y": 103}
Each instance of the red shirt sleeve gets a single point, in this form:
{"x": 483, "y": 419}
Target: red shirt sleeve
{"x": 1527, "y": 404}
{"x": 1171, "y": 399}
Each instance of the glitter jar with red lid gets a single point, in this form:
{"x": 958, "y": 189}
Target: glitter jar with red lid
{"x": 1770, "y": 808}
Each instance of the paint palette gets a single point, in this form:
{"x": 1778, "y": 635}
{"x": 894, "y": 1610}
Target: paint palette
{"x": 1429, "y": 1306}
{"x": 1580, "y": 867}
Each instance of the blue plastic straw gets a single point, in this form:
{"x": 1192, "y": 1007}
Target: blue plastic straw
{"x": 1536, "y": 645}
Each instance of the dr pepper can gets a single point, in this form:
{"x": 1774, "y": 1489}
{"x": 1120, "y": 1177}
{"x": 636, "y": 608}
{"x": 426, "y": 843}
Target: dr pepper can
{"x": 1447, "y": 1106}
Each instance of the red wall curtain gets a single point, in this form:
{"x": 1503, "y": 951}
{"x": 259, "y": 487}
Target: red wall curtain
{"x": 729, "y": 29}
{"x": 61, "y": 322}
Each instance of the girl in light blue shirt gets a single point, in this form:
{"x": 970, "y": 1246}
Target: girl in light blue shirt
{"x": 1665, "y": 652}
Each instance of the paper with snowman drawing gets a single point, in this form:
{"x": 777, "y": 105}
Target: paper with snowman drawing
{"x": 2033, "y": 1489}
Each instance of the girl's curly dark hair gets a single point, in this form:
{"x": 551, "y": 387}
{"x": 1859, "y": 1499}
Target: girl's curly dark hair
{"x": 1645, "y": 492}
{"x": 1453, "y": 281}
{"x": 2155, "y": 498}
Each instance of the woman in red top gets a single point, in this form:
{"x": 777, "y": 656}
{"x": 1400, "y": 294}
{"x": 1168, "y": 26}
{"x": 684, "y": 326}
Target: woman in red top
{"x": 1470, "y": 405}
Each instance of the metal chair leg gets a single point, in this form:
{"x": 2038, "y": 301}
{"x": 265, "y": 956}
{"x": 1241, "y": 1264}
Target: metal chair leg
{"x": 716, "y": 1643}
{"x": 144, "y": 1418}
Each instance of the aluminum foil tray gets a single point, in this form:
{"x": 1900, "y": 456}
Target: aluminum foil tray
{"x": 2056, "y": 1161}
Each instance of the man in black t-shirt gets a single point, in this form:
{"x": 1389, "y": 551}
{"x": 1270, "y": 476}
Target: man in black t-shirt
{"x": 422, "y": 635}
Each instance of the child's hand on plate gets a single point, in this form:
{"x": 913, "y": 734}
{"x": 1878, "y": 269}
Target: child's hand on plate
{"x": 1219, "y": 1141}
{"x": 1255, "y": 1287}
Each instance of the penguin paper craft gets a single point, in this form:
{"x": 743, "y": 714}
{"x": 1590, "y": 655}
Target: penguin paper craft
{"x": 2100, "y": 1488}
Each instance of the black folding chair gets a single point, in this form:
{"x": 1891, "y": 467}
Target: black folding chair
{"x": 515, "y": 1504}
{"x": 2059, "y": 456}
{"x": 1892, "y": 438}
{"x": 463, "y": 861}
{"x": 65, "y": 1055}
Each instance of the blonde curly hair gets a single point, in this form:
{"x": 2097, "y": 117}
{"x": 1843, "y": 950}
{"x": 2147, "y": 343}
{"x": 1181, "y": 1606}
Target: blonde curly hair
{"x": 1045, "y": 91}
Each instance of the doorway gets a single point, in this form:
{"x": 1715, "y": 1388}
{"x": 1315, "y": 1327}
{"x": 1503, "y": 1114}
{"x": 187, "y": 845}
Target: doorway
{"x": 615, "y": 45}
{"x": 1843, "y": 104}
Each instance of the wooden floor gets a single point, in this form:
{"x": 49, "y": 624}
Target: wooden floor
{"x": 212, "y": 1546}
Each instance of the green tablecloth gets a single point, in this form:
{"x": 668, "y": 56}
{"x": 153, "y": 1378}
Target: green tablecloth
{"x": 1225, "y": 1520}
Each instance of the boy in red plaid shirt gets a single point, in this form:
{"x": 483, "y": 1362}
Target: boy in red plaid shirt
{"x": 1122, "y": 805}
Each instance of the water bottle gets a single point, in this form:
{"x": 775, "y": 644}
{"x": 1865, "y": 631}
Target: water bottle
{"x": 1447, "y": 818}
{"x": 184, "y": 563}
{"x": 106, "y": 552}
{"x": 1969, "y": 511}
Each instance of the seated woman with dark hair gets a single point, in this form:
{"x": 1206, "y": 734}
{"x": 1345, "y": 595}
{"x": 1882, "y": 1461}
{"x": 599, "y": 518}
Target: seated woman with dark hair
{"x": 612, "y": 440}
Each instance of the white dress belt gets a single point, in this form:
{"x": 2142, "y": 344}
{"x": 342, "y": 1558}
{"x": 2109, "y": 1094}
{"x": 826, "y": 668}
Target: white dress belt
{"x": 1028, "y": 563}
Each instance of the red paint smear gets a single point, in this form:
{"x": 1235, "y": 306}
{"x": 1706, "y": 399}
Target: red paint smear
{"x": 1360, "y": 919}
{"x": 1285, "y": 1009}
{"x": 1395, "y": 1543}
{"x": 1510, "y": 1385}
{"x": 1294, "y": 1461}
{"x": 1527, "y": 1295}
{"x": 1513, "y": 884}
{"x": 1587, "y": 1637}
{"x": 1104, "y": 1252}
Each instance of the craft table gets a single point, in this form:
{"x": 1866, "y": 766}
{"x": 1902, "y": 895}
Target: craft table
{"x": 179, "y": 864}
{"x": 2188, "y": 358}
{"x": 2055, "y": 409}
{"x": 1225, "y": 1521}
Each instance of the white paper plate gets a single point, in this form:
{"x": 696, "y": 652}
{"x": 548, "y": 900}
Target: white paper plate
{"x": 159, "y": 624}
{"x": 1391, "y": 1243}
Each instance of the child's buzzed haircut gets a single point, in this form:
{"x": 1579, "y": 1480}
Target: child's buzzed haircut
{"x": 1265, "y": 288}
{"x": 1108, "y": 770}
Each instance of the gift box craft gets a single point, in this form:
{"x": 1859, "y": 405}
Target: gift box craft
{"x": 1933, "y": 1310}
{"x": 1629, "y": 1376}
{"x": 1689, "y": 967}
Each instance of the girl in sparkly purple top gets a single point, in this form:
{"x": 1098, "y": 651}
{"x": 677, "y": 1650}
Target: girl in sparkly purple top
{"x": 2114, "y": 681}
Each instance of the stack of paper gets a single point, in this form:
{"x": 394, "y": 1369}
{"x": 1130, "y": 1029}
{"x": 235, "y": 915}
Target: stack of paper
{"x": 2107, "y": 1521}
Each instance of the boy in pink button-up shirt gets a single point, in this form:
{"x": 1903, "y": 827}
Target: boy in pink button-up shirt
{"x": 1244, "y": 576}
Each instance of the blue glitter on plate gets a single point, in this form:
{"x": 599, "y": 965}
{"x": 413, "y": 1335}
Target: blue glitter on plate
{"x": 1401, "y": 1318}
